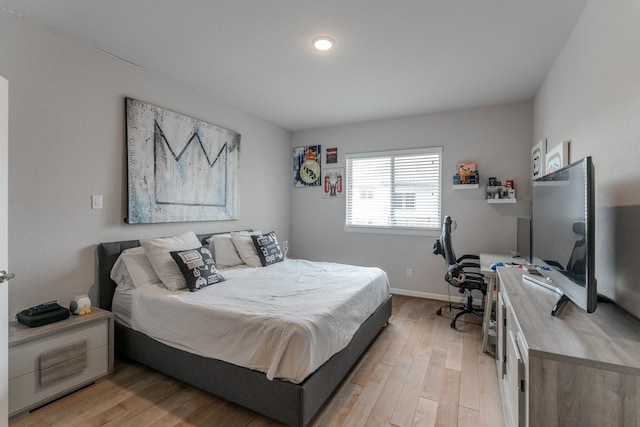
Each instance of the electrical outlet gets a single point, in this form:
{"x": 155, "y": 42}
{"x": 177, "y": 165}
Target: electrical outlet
{"x": 409, "y": 272}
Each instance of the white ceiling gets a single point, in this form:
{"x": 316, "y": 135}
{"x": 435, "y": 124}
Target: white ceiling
{"x": 392, "y": 57}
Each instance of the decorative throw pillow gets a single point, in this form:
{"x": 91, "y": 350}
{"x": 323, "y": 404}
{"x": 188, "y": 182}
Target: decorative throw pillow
{"x": 224, "y": 251}
{"x": 163, "y": 264}
{"x": 268, "y": 248}
{"x": 247, "y": 250}
{"x": 197, "y": 267}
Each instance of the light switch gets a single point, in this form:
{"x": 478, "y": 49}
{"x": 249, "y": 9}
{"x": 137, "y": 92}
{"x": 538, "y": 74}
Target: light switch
{"x": 96, "y": 201}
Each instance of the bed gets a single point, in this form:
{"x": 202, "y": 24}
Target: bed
{"x": 292, "y": 403}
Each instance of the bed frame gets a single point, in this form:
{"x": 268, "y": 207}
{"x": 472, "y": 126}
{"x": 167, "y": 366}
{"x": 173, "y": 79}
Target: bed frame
{"x": 284, "y": 401}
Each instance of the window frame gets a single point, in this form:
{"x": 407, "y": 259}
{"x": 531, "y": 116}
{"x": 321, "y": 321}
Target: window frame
{"x": 394, "y": 229}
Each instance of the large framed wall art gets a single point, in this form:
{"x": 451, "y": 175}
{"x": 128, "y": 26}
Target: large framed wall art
{"x": 179, "y": 168}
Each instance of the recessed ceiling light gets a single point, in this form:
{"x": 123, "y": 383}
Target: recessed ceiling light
{"x": 323, "y": 43}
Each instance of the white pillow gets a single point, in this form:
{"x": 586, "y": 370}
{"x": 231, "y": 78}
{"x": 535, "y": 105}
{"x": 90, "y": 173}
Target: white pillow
{"x": 132, "y": 269}
{"x": 246, "y": 248}
{"x": 120, "y": 274}
{"x": 163, "y": 264}
{"x": 223, "y": 250}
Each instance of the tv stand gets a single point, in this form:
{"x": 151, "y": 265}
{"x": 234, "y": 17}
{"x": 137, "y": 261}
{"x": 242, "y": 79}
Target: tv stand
{"x": 557, "y": 308}
{"x": 542, "y": 281}
{"x": 573, "y": 370}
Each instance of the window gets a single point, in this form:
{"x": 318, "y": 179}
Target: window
{"x": 407, "y": 201}
{"x": 394, "y": 191}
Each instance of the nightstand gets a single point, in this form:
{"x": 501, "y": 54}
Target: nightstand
{"x": 50, "y": 361}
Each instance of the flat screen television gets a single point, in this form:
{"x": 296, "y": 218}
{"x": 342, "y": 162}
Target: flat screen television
{"x": 562, "y": 233}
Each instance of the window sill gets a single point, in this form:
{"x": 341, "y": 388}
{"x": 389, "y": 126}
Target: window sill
{"x": 392, "y": 230}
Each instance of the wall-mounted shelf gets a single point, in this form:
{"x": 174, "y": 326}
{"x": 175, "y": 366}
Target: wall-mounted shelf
{"x": 501, "y": 200}
{"x": 503, "y": 192}
{"x": 465, "y": 186}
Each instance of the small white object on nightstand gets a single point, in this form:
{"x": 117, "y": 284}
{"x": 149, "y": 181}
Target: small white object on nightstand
{"x": 80, "y": 305}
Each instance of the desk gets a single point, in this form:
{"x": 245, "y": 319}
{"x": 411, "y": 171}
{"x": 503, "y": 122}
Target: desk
{"x": 485, "y": 268}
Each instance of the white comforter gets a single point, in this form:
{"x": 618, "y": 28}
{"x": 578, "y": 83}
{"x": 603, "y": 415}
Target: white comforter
{"x": 286, "y": 319}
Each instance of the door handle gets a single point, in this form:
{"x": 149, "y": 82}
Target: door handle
{"x": 4, "y": 276}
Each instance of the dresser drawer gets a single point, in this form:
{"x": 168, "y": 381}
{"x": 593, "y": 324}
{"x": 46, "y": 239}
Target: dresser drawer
{"x": 25, "y": 358}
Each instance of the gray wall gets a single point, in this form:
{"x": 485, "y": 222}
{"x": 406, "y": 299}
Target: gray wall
{"x": 67, "y": 141}
{"x": 497, "y": 138}
{"x": 592, "y": 97}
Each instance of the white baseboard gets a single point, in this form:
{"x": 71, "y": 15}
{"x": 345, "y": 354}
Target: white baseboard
{"x": 457, "y": 298}
{"x": 418, "y": 294}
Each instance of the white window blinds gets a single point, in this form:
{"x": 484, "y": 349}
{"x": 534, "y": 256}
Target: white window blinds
{"x": 394, "y": 189}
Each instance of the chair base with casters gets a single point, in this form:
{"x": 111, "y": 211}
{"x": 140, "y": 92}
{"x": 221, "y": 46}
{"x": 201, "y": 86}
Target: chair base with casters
{"x": 465, "y": 308}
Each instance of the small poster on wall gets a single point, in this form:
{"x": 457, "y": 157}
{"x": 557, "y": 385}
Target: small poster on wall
{"x": 332, "y": 155}
{"x": 538, "y": 159}
{"x": 333, "y": 183}
{"x": 306, "y": 166}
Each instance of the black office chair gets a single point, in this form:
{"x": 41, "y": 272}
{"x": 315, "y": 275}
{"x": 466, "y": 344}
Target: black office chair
{"x": 438, "y": 249}
{"x": 463, "y": 275}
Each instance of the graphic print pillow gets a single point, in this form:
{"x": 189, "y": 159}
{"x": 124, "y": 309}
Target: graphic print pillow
{"x": 197, "y": 267}
{"x": 268, "y": 248}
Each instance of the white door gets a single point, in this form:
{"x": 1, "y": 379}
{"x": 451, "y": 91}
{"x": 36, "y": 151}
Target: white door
{"x": 4, "y": 249}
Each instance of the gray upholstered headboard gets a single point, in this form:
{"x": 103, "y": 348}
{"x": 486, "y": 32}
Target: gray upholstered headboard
{"x": 107, "y": 254}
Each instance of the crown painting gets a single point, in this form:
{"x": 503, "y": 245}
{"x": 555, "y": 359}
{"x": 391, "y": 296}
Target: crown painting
{"x": 179, "y": 168}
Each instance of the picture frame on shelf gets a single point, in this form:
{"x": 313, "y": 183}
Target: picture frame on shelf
{"x": 557, "y": 157}
{"x": 466, "y": 173}
{"x": 538, "y": 159}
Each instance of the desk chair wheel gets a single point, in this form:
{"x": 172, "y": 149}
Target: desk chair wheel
{"x": 453, "y": 321}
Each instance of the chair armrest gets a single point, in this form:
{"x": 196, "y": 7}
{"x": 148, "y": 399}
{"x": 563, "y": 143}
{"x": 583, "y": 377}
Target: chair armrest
{"x": 469, "y": 265}
{"x": 468, "y": 256}
{"x": 474, "y": 274}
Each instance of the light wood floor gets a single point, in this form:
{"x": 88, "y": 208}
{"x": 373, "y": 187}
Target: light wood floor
{"x": 418, "y": 372}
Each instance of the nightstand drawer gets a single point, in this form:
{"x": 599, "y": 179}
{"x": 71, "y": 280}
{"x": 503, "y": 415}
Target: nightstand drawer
{"x": 25, "y": 358}
{"x": 25, "y": 391}
{"x": 63, "y": 361}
